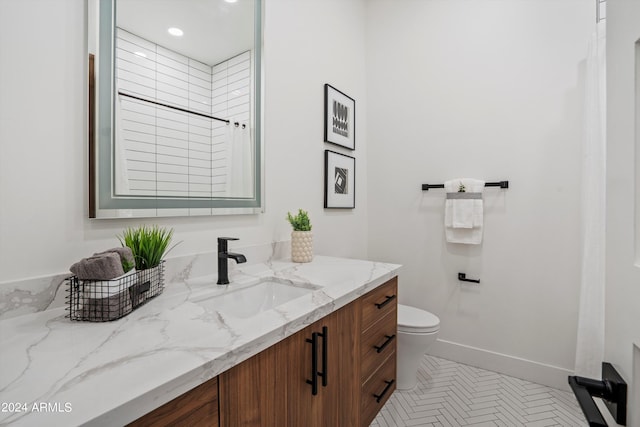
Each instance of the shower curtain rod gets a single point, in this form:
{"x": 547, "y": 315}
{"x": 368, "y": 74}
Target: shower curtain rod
{"x": 501, "y": 184}
{"x": 184, "y": 110}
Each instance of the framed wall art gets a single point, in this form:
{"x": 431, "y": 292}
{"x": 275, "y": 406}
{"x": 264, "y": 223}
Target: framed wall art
{"x": 339, "y": 118}
{"x": 339, "y": 180}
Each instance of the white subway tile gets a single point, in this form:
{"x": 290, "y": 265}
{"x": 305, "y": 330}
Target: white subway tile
{"x": 202, "y": 78}
{"x": 172, "y": 142}
{"x": 141, "y": 166}
{"x": 141, "y": 175}
{"x": 134, "y": 105}
{"x": 172, "y": 160}
{"x": 172, "y": 100}
{"x": 172, "y": 177}
{"x": 165, "y": 55}
{"x": 200, "y": 90}
{"x": 139, "y": 146}
{"x": 199, "y": 66}
{"x": 243, "y": 57}
{"x": 177, "y": 169}
{"x": 163, "y": 186}
{"x": 199, "y": 188}
{"x": 140, "y": 156}
{"x": 200, "y": 179}
{"x": 174, "y": 79}
{"x": 172, "y": 125}
{"x": 219, "y": 179}
{"x": 128, "y": 125}
{"x": 133, "y": 39}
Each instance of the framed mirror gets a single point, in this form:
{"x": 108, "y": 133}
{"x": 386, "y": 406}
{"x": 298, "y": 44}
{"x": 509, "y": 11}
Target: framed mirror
{"x": 174, "y": 108}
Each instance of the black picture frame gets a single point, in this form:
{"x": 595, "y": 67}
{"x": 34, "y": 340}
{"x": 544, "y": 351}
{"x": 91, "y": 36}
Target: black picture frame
{"x": 339, "y": 118}
{"x": 339, "y": 181}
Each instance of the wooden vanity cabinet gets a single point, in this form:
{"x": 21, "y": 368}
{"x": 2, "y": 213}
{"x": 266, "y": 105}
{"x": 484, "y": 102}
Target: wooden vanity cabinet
{"x": 355, "y": 366}
{"x": 273, "y": 388}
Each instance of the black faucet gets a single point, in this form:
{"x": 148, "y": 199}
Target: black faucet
{"x": 223, "y": 255}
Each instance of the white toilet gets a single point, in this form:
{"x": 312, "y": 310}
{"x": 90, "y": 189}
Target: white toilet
{"x": 417, "y": 329}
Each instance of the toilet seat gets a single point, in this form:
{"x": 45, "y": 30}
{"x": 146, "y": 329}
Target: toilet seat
{"x": 416, "y": 321}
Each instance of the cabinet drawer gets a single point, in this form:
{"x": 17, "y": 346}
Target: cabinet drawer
{"x": 377, "y": 390}
{"x": 379, "y": 302}
{"x": 198, "y": 407}
{"x": 378, "y": 343}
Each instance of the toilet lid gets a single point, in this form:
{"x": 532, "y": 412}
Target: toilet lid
{"x": 411, "y": 319}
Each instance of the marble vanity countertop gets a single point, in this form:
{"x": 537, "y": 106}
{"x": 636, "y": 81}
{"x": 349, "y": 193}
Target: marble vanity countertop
{"x": 57, "y": 372}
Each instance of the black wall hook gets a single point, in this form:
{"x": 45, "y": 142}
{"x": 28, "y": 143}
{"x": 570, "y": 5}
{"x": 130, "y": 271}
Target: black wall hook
{"x": 463, "y": 278}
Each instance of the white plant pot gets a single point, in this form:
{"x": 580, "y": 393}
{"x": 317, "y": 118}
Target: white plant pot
{"x": 301, "y": 246}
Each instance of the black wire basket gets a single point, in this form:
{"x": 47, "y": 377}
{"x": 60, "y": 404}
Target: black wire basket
{"x": 107, "y": 300}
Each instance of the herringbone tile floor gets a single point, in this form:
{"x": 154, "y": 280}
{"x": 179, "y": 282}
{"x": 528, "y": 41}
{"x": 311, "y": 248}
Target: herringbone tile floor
{"x": 453, "y": 394}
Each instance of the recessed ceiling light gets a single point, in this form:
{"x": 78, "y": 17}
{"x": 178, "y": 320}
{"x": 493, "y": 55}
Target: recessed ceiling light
{"x": 231, "y": 1}
{"x": 175, "y": 31}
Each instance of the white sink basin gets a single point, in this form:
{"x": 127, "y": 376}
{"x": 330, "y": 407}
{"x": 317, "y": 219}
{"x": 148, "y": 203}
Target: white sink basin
{"x": 247, "y": 301}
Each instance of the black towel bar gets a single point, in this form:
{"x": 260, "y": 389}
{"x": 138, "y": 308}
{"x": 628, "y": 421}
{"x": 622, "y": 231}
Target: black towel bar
{"x": 613, "y": 391}
{"x": 501, "y": 184}
{"x": 463, "y": 278}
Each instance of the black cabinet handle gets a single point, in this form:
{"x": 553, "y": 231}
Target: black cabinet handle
{"x": 386, "y": 389}
{"x": 314, "y": 363}
{"x": 385, "y": 302}
{"x": 323, "y": 374}
{"x": 386, "y": 343}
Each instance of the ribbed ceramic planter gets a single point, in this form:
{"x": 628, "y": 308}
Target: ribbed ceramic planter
{"x": 301, "y": 246}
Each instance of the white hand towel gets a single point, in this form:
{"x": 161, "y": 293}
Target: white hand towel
{"x": 464, "y": 210}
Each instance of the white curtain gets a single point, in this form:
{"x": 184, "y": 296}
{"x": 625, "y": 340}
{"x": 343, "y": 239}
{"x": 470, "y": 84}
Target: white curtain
{"x": 590, "y": 339}
{"x": 239, "y": 161}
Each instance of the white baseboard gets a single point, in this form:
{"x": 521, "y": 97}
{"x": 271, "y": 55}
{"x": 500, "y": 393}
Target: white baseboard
{"x": 540, "y": 373}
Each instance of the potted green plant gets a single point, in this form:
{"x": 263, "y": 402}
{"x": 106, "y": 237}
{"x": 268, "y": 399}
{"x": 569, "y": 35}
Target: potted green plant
{"x": 301, "y": 237}
{"x": 149, "y": 244}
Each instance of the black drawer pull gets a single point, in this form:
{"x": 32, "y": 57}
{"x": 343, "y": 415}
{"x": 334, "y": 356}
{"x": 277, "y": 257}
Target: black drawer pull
{"x": 386, "y": 389}
{"x": 324, "y": 335}
{"x": 314, "y": 363}
{"x": 385, "y": 302}
{"x": 386, "y": 343}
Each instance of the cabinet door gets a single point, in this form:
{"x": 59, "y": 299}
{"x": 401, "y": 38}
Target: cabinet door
{"x": 337, "y": 400}
{"x": 272, "y": 388}
{"x": 253, "y": 393}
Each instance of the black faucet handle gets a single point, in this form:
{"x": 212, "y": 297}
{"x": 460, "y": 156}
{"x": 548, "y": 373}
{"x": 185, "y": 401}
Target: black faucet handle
{"x": 222, "y": 243}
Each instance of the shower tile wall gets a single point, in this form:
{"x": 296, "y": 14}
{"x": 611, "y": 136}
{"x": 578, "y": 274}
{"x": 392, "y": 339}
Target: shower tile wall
{"x": 165, "y": 152}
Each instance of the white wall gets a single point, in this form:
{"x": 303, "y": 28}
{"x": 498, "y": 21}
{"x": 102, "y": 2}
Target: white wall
{"x": 622, "y": 309}
{"x": 489, "y": 89}
{"x": 43, "y": 191}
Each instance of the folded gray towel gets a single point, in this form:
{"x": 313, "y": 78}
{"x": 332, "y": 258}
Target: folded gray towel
{"x": 101, "y": 267}
{"x": 111, "y": 308}
{"x": 125, "y": 253}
